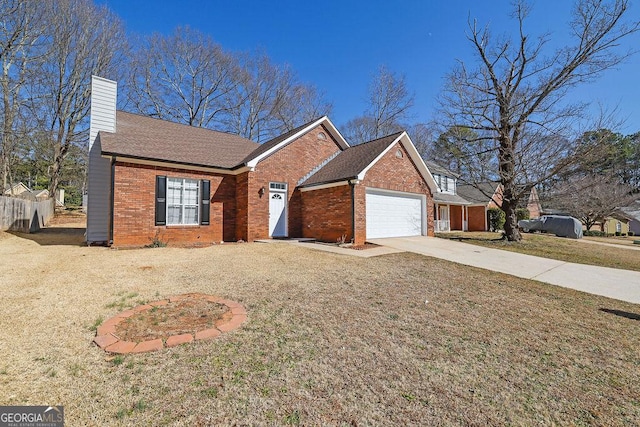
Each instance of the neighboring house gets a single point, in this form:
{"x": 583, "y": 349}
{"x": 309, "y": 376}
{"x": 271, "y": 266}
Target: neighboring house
{"x": 150, "y": 178}
{"x": 451, "y": 211}
{"x": 616, "y": 223}
{"x": 19, "y": 190}
{"x": 532, "y": 204}
{"x": 463, "y": 207}
{"x": 41, "y": 195}
{"x": 481, "y": 198}
{"x": 632, "y": 213}
{"x": 23, "y": 192}
{"x": 478, "y": 195}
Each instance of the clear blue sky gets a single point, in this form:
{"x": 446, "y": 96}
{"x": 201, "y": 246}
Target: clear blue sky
{"x": 337, "y": 45}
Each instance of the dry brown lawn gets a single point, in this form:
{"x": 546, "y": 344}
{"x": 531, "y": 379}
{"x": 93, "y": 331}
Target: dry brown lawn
{"x": 330, "y": 340}
{"x": 563, "y": 249}
{"x": 614, "y": 240}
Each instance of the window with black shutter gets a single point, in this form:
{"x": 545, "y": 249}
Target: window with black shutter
{"x": 161, "y": 200}
{"x": 182, "y": 201}
{"x": 205, "y": 206}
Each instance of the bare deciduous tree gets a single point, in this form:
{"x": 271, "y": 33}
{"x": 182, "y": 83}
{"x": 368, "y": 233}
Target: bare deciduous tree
{"x": 269, "y": 100}
{"x": 514, "y": 99}
{"x": 261, "y": 91}
{"x": 389, "y": 104}
{"x": 185, "y": 77}
{"x": 188, "y": 78}
{"x": 303, "y": 103}
{"x": 82, "y": 39}
{"x": 21, "y": 27}
{"x": 592, "y": 198}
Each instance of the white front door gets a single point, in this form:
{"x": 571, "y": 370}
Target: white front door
{"x": 277, "y": 213}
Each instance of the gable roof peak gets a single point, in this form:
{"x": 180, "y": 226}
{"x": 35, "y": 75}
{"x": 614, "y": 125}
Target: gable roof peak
{"x": 279, "y": 142}
{"x": 354, "y": 162}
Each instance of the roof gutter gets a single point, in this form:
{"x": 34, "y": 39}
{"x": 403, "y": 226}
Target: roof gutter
{"x": 173, "y": 164}
{"x": 329, "y": 184}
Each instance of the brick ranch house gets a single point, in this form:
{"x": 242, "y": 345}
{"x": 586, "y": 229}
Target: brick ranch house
{"x": 185, "y": 185}
{"x": 463, "y": 207}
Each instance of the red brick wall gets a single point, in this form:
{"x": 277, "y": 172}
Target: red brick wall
{"x": 399, "y": 174}
{"x": 134, "y": 208}
{"x": 242, "y": 206}
{"x": 533, "y": 204}
{"x": 361, "y": 214}
{"x": 476, "y": 218}
{"x": 326, "y": 214}
{"x": 455, "y": 217}
{"x": 289, "y": 164}
{"x": 497, "y": 197}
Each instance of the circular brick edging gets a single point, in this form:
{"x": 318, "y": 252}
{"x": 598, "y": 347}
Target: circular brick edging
{"x": 107, "y": 339}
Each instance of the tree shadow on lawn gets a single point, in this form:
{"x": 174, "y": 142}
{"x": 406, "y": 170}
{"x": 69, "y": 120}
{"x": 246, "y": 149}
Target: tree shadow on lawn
{"x": 626, "y": 314}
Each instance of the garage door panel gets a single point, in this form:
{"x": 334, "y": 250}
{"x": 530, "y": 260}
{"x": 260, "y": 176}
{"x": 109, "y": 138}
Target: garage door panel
{"x": 393, "y": 214}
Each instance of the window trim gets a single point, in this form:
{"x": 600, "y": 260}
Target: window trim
{"x": 183, "y": 205}
{"x": 278, "y": 186}
{"x": 203, "y": 200}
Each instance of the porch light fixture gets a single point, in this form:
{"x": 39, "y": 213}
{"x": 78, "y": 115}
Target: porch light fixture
{"x": 261, "y": 191}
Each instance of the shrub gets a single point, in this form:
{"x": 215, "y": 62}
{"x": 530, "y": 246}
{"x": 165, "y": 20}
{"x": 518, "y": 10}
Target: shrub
{"x": 631, "y": 234}
{"x": 594, "y": 233}
{"x": 496, "y": 219}
{"x": 156, "y": 241}
{"x": 618, "y": 234}
{"x": 522, "y": 213}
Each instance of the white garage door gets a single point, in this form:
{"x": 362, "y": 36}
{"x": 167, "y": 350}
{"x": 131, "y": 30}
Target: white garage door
{"x": 393, "y": 214}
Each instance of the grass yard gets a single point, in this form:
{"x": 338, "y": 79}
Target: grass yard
{"x": 329, "y": 340}
{"x": 563, "y": 249}
{"x": 614, "y": 240}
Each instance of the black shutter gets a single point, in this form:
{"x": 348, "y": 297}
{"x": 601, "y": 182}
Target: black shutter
{"x": 161, "y": 200}
{"x": 205, "y": 206}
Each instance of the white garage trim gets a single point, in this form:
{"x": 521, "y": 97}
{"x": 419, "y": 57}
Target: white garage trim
{"x": 395, "y": 214}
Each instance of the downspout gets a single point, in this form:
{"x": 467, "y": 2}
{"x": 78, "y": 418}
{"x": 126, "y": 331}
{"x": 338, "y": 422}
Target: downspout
{"x": 111, "y": 199}
{"x": 353, "y": 211}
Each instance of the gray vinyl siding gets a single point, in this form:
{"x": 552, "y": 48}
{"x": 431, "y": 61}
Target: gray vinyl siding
{"x": 103, "y": 118}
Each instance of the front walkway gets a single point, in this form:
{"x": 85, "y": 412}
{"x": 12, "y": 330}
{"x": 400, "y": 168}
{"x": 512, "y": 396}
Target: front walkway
{"x": 610, "y": 282}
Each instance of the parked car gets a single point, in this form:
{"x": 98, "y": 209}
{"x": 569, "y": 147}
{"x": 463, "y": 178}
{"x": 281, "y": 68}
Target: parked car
{"x": 561, "y": 226}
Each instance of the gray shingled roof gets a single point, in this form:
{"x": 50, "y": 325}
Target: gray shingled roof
{"x": 147, "y": 138}
{"x": 632, "y": 211}
{"x": 474, "y": 195}
{"x": 440, "y": 170}
{"x": 349, "y": 163}
{"x": 450, "y": 198}
{"x": 263, "y": 148}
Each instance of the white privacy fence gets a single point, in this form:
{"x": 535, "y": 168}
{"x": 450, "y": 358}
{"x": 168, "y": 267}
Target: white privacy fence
{"x": 24, "y": 215}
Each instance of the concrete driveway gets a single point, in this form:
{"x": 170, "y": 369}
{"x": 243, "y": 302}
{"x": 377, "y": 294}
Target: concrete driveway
{"x": 609, "y": 282}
